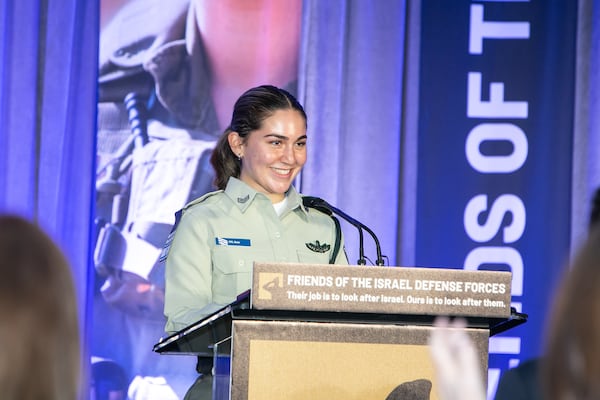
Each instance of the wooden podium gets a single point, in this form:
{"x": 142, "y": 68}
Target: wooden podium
{"x": 342, "y": 332}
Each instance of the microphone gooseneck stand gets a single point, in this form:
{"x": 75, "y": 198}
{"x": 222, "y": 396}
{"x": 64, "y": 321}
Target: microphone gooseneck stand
{"x": 322, "y": 205}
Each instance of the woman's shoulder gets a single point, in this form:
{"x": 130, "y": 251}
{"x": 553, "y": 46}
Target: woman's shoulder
{"x": 205, "y": 202}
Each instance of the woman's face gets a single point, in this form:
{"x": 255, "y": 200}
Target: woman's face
{"x": 273, "y": 155}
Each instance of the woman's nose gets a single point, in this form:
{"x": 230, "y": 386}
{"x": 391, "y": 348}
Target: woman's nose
{"x": 288, "y": 155}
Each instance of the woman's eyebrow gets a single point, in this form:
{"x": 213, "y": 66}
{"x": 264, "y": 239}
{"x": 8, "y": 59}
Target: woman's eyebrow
{"x": 282, "y": 137}
{"x": 276, "y": 136}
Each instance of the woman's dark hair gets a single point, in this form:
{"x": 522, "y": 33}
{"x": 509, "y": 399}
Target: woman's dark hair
{"x": 249, "y": 111}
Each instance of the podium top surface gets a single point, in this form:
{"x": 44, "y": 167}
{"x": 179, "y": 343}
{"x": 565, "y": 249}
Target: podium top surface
{"x": 200, "y": 337}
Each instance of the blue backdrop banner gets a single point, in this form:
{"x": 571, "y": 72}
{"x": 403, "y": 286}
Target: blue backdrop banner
{"x": 494, "y": 156}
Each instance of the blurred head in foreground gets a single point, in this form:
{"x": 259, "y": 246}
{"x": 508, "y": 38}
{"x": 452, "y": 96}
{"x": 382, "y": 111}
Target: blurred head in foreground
{"x": 39, "y": 334}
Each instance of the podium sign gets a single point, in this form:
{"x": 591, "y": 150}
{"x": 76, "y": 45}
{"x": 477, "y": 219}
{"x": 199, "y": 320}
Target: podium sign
{"x": 387, "y": 290}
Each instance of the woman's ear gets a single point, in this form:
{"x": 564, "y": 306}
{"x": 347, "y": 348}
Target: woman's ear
{"x": 235, "y": 143}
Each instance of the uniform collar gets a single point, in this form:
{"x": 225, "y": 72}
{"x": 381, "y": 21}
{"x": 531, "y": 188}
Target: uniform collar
{"x": 243, "y": 195}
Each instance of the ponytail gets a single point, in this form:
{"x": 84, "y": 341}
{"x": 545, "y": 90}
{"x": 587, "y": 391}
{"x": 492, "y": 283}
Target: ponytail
{"x": 225, "y": 163}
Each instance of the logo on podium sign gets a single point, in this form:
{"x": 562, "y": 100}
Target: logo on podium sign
{"x": 268, "y": 283}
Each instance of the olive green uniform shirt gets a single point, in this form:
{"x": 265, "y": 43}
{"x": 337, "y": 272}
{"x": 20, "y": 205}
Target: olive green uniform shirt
{"x": 221, "y": 234}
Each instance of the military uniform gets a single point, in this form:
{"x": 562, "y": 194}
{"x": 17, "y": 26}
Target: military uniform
{"x": 156, "y": 130}
{"x": 143, "y": 180}
{"x": 221, "y": 234}
{"x": 217, "y": 238}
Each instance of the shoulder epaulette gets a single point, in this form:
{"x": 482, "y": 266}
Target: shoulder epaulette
{"x": 201, "y": 199}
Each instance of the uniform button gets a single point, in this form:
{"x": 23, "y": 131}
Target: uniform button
{"x": 277, "y": 235}
{"x": 241, "y": 263}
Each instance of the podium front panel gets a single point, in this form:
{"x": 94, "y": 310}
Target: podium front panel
{"x": 311, "y": 360}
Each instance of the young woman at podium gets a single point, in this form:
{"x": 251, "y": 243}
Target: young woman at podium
{"x": 255, "y": 215}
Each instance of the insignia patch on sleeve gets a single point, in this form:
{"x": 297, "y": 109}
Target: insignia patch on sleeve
{"x": 165, "y": 250}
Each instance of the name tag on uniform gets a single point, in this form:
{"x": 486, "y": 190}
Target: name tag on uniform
{"x": 219, "y": 241}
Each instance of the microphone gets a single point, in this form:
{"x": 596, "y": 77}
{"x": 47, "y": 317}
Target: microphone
{"x": 323, "y": 206}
